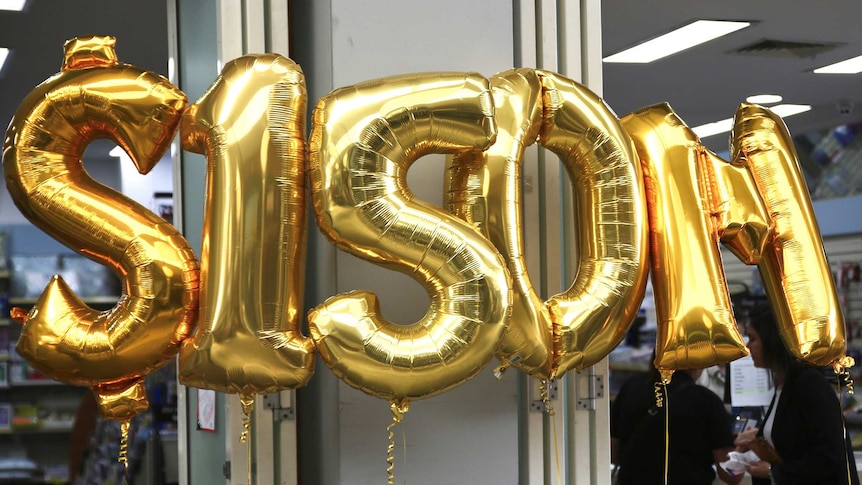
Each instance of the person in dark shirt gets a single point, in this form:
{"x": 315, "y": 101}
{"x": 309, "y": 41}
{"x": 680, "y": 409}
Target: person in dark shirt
{"x": 699, "y": 432}
{"x": 804, "y": 422}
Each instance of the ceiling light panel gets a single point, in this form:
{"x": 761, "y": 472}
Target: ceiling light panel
{"x": 849, "y": 66}
{"x": 14, "y": 5}
{"x": 4, "y": 54}
{"x": 695, "y": 33}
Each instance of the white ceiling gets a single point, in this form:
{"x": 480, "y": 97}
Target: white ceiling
{"x": 707, "y": 83}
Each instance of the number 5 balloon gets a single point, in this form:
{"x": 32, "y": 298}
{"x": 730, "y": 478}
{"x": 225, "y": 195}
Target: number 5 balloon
{"x": 363, "y": 141}
{"x": 111, "y": 352}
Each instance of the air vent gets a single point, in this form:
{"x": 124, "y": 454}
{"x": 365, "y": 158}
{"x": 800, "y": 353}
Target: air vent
{"x": 783, "y": 48}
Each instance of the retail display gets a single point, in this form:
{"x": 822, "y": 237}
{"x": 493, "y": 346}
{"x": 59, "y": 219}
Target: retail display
{"x": 36, "y": 412}
{"x": 643, "y": 176}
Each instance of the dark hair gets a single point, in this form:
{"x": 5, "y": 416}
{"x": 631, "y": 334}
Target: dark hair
{"x": 775, "y": 353}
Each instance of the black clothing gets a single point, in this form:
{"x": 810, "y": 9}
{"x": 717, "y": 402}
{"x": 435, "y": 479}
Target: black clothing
{"x": 808, "y": 432}
{"x": 698, "y": 425}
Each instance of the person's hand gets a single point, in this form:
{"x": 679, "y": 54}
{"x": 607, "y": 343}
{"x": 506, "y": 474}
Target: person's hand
{"x": 743, "y": 439}
{"x": 759, "y": 469}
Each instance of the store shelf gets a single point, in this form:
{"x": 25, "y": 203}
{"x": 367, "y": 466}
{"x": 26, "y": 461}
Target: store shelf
{"x": 89, "y": 300}
{"x": 35, "y": 383}
{"x": 63, "y": 427}
{"x": 5, "y": 322}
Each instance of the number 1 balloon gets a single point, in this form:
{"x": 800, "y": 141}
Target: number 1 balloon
{"x": 251, "y": 125}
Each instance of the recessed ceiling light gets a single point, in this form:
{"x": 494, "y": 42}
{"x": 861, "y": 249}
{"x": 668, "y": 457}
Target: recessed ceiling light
{"x": 4, "y": 53}
{"x": 693, "y": 34}
{"x": 15, "y": 5}
{"x": 764, "y": 99}
{"x": 723, "y": 126}
{"x": 849, "y": 66}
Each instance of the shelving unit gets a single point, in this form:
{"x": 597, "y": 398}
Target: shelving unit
{"x": 37, "y": 414}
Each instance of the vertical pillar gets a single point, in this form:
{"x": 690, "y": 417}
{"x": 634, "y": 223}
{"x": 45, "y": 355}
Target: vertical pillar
{"x": 564, "y": 37}
{"x": 205, "y": 35}
{"x": 192, "y": 30}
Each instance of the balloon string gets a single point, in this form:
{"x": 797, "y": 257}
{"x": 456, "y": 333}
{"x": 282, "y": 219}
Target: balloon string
{"x": 843, "y": 374}
{"x": 124, "y": 447}
{"x": 549, "y": 408}
{"x": 659, "y": 400}
{"x": 248, "y": 465}
{"x": 398, "y": 409}
{"x": 662, "y": 401}
{"x": 247, "y": 402}
{"x": 844, "y": 429}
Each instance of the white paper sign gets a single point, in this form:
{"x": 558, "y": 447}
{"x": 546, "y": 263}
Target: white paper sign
{"x": 206, "y": 410}
{"x": 749, "y": 386}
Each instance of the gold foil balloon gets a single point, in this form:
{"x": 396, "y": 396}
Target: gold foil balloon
{"x": 593, "y": 315}
{"x": 484, "y": 188}
{"x": 251, "y": 126}
{"x": 95, "y": 96}
{"x": 794, "y": 269}
{"x": 577, "y": 328}
{"x": 364, "y": 139}
{"x": 695, "y": 200}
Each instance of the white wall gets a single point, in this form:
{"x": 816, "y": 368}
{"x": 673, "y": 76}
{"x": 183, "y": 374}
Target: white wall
{"x": 141, "y": 188}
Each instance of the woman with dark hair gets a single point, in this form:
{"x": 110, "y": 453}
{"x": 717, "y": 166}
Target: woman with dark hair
{"x": 804, "y": 422}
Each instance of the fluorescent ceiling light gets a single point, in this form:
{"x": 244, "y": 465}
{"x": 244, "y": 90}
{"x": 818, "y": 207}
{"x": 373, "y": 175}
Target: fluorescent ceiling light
{"x": 714, "y": 128}
{"x": 723, "y": 126}
{"x": 693, "y": 34}
{"x": 785, "y": 110}
{"x": 4, "y": 53}
{"x": 15, "y": 5}
{"x": 849, "y": 66}
{"x": 764, "y": 99}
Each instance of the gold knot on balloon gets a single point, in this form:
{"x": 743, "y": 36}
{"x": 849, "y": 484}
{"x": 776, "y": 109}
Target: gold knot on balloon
{"x": 247, "y": 402}
{"x": 658, "y": 388}
{"x": 91, "y": 51}
{"x": 841, "y": 370}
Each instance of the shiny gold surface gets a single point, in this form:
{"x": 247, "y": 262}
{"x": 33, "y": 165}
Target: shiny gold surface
{"x": 364, "y": 139}
{"x": 689, "y": 191}
{"x": 577, "y": 328}
{"x": 94, "y": 96}
{"x": 592, "y": 316}
{"x": 251, "y": 126}
{"x": 484, "y": 189}
{"x": 794, "y": 269}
